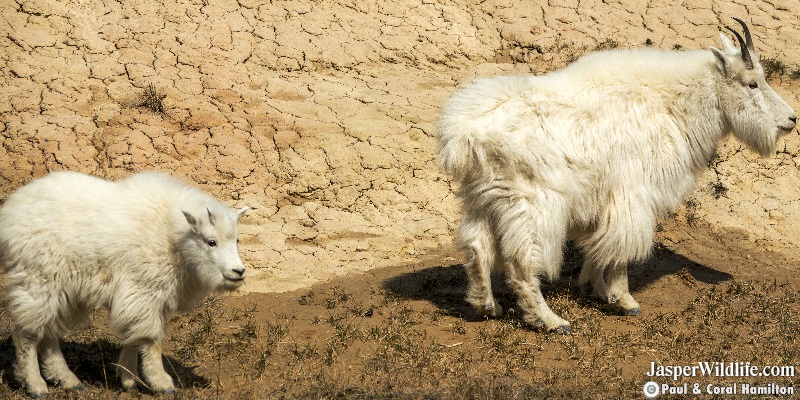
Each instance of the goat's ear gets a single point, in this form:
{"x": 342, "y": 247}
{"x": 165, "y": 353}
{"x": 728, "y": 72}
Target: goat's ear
{"x": 722, "y": 62}
{"x": 240, "y": 212}
{"x": 190, "y": 219}
{"x": 727, "y": 45}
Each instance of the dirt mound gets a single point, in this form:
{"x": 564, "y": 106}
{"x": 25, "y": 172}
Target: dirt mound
{"x": 320, "y": 116}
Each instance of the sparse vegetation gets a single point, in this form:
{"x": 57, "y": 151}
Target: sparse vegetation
{"x": 233, "y": 352}
{"x": 677, "y": 47}
{"x": 773, "y": 66}
{"x": 718, "y": 189}
{"x": 691, "y": 211}
{"x": 795, "y": 74}
{"x": 606, "y": 44}
{"x": 153, "y": 100}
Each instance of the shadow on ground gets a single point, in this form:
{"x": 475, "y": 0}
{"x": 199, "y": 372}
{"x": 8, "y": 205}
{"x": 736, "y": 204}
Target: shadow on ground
{"x": 95, "y": 365}
{"x": 445, "y": 286}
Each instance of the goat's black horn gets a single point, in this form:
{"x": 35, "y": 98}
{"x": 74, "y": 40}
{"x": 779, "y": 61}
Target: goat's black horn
{"x": 747, "y": 38}
{"x": 748, "y": 62}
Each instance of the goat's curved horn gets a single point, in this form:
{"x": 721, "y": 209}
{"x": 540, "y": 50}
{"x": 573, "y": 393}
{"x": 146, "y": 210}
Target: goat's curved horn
{"x": 748, "y": 62}
{"x": 747, "y": 38}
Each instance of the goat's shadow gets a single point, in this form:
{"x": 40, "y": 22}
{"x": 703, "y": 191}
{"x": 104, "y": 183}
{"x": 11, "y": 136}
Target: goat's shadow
{"x": 95, "y": 365}
{"x": 445, "y": 286}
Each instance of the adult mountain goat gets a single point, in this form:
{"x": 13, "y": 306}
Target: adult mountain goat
{"x": 144, "y": 247}
{"x": 594, "y": 152}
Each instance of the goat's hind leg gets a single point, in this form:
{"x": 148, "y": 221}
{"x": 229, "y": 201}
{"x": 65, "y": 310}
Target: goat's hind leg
{"x": 531, "y": 234}
{"x": 476, "y": 241}
{"x": 535, "y": 311}
{"x": 591, "y": 280}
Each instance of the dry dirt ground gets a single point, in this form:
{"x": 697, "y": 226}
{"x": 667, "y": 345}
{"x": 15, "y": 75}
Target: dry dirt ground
{"x": 320, "y": 116}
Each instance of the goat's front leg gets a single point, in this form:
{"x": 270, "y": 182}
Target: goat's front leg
{"x": 153, "y": 369}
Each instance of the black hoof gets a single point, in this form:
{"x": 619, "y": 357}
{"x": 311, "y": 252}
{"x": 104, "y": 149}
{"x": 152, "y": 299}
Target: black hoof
{"x": 614, "y": 308}
{"x": 631, "y": 312}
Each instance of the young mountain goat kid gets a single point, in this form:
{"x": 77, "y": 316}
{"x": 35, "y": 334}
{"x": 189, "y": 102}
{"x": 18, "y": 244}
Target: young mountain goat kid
{"x": 594, "y": 152}
{"x": 144, "y": 247}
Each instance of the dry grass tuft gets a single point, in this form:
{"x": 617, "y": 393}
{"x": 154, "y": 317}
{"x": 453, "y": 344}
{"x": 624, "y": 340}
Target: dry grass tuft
{"x": 153, "y": 101}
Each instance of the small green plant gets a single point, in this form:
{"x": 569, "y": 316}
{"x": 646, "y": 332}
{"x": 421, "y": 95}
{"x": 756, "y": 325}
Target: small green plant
{"x": 795, "y": 74}
{"x": 677, "y": 47}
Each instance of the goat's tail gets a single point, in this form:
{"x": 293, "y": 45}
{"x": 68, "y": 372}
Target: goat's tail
{"x": 474, "y": 128}
{"x": 460, "y": 155}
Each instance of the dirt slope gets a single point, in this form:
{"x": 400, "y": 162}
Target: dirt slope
{"x": 320, "y": 115}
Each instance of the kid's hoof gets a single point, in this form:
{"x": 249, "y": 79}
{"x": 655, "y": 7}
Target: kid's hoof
{"x": 561, "y": 330}
{"x": 493, "y": 310}
{"x": 631, "y": 312}
{"x": 542, "y": 327}
{"x": 40, "y": 392}
{"x": 76, "y": 388}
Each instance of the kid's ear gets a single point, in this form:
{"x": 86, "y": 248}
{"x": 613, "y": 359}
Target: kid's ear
{"x": 241, "y": 212}
{"x": 722, "y": 62}
{"x": 190, "y": 219}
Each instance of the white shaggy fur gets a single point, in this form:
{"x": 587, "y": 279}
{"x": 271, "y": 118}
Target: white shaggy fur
{"x": 144, "y": 247}
{"x": 594, "y": 152}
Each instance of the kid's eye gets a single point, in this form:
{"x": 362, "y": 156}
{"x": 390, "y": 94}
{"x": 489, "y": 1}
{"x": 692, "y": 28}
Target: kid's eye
{"x": 212, "y": 243}
{"x": 753, "y": 85}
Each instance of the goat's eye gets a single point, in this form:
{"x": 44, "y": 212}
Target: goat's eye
{"x": 212, "y": 243}
{"x": 753, "y": 85}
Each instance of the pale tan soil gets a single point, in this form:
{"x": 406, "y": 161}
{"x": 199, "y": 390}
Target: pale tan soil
{"x": 320, "y": 116}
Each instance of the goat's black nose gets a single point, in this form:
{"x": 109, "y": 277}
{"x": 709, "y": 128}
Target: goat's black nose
{"x": 793, "y": 119}
{"x": 239, "y": 271}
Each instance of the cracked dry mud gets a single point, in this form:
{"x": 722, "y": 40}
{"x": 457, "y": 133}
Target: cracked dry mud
{"x": 320, "y": 115}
